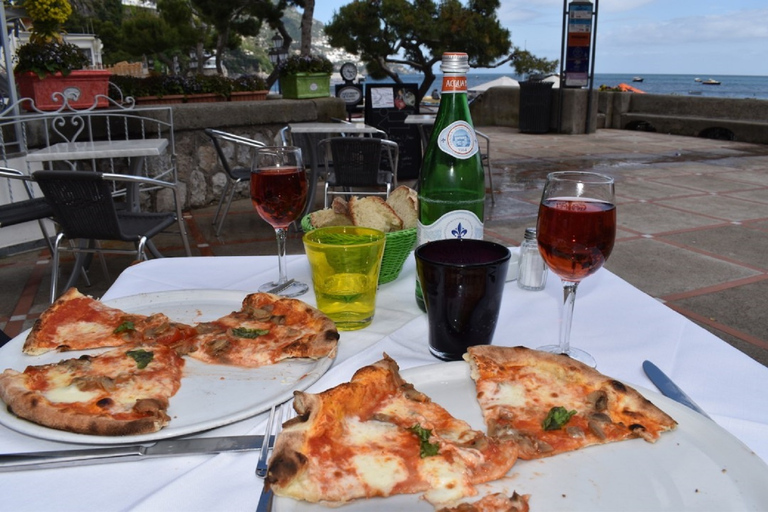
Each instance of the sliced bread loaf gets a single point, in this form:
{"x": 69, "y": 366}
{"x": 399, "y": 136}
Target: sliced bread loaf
{"x": 374, "y": 212}
{"x": 405, "y": 201}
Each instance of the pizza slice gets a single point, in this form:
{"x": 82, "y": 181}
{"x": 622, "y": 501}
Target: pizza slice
{"x": 124, "y": 391}
{"x": 378, "y": 436}
{"x": 497, "y": 502}
{"x": 79, "y": 322}
{"x": 267, "y": 329}
{"x": 550, "y": 403}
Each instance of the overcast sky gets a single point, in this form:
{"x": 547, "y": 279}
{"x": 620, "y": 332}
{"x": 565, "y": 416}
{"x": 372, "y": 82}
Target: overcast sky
{"x": 699, "y": 37}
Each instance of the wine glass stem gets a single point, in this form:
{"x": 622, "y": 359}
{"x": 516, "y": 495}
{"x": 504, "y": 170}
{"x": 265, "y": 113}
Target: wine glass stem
{"x": 281, "y": 234}
{"x": 569, "y": 299}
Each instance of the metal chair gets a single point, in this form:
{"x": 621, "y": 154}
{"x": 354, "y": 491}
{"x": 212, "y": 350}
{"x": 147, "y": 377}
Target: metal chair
{"x": 485, "y": 161}
{"x": 235, "y": 174}
{"x": 357, "y": 162}
{"x": 25, "y": 210}
{"x": 85, "y": 210}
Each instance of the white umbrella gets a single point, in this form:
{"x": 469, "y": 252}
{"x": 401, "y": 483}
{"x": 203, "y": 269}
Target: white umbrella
{"x": 504, "y": 81}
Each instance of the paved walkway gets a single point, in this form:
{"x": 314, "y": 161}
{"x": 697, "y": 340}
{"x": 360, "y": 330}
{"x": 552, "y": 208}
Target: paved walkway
{"x": 693, "y": 220}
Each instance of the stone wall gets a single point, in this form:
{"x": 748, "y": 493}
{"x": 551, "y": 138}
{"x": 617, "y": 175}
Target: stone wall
{"x": 200, "y": 171}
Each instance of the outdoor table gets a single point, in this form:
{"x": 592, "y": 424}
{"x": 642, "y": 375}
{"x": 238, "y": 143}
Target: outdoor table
{"x": 617, "y": 323}
{"x": 323, "y": 130}
{"x": 71, "y": 152}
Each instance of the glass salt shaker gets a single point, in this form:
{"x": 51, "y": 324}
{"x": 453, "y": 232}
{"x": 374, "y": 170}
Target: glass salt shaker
{"x": 533, "y": 270}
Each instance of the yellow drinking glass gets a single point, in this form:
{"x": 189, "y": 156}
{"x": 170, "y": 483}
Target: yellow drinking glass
{"x": 345, "y": 263}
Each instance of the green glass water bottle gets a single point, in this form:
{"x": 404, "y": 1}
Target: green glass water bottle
{"x": 451, "y": 182}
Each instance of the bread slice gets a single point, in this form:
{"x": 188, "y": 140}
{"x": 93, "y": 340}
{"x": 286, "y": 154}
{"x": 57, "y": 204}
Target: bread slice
{"x": 327, "y": 217}
{"x": 405, "y": 201}
{"x": 374, "y": 212}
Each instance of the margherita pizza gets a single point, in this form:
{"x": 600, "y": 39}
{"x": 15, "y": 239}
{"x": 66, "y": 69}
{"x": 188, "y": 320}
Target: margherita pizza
{"x": 378, "y": 436}
{"x": 124, "y": 391}
{"x": 550, "y": 403}
{"x": 266, "y": 330}
{"x": 79, "y": 322}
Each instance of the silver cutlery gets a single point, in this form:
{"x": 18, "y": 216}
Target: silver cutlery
{"x": 274, "y": 425}
{"x": 127, "y": 453}
{"x": 668, "y": 388}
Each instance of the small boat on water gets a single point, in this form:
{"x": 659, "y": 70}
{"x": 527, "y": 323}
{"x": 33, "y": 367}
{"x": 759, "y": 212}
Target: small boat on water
{"x": 638, "y": 79}
{"x": 697, "y": 79}
{"x": 711, "y": 81}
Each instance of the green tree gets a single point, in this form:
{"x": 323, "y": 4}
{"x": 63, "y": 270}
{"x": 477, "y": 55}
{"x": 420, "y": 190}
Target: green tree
{"x": 525, "y": 63}
{"x": 416, "y": 33}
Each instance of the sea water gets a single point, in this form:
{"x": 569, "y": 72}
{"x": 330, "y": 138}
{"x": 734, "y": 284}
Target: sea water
{"x": 731, "y": 86}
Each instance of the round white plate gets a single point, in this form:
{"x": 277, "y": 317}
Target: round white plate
{"x": 210, "y": 395}
{"x": 699, "y": 466}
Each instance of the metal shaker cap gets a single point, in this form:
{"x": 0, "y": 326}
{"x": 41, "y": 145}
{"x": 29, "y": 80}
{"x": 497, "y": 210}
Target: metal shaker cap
{"x": 530, "y": 233}
{"x": 454, "y": 62}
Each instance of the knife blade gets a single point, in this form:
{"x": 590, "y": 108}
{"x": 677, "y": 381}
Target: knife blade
{"x": 668, "y": 388}
{"x": 165, "y": 448}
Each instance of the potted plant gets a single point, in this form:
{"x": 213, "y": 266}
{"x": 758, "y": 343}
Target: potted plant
{"x": 248, "y": 88}
{"x": 161, "y": 89}
{"x": 207, "y": 88}
{"x": 307, "y": 76}
{"x": 51, "y": 71}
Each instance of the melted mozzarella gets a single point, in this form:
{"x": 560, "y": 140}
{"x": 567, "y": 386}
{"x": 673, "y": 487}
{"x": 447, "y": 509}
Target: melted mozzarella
{"x": 365, "y": 433}
{"x": 68, "y": 394}
{"x": 380, "y": 472}
{"x": 448, "y": 481}
{"x": 87, "y": 330}
{"x": 506, "y": 393}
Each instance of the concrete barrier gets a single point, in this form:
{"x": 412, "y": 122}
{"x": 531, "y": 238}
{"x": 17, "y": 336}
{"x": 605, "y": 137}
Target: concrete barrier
{"x": 744, "y": 120}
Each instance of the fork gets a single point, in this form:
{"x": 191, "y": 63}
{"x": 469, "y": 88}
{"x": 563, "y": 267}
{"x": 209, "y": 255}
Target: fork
{"x": 273, "y": 428}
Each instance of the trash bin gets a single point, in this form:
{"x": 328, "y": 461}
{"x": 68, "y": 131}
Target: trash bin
{"x": 535, "y": 106}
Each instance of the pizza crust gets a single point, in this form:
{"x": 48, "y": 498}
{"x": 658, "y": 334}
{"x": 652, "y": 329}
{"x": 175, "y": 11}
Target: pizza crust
{"x": 114, "y": 401}
{"x": 357, "y": 440}
{"x": 517, "y": 387}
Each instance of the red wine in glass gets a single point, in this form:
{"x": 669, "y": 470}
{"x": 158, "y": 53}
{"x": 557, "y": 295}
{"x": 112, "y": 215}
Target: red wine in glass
{"x": 576, "y": 236}
{"x": 279, "y": 195}
{"x": 576, "y": 230}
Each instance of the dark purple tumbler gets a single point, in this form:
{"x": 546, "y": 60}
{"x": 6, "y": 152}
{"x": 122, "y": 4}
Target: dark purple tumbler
{"x": 462, "y": 281}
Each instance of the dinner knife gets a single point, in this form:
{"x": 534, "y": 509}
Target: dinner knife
{"x": 668, "y": 388}
{"x": 164, "y": 448}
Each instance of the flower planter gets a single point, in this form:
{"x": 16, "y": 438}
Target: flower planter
{"x": 168, "y": 99}
{"x": 248, "y": 96}
{"x": 306, "y": 85}
{"x": 80, "y": 89}
{"x": 206, "y": 97}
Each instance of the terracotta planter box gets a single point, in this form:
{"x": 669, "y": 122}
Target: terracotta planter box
{"x": 248, "y": 96}
{"x": 306, "y": 85}
{"x": 168, "y": 99}
{"x": 80, "y": 89}
{"x": 207, "y": 97}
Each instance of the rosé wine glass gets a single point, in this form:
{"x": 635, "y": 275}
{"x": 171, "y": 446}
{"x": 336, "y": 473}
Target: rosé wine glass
{"x": 576, "y": 230}
{"x": 279, "y": 195}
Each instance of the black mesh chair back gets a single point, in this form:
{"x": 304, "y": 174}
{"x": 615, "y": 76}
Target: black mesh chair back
{"x": 235, "y": 174}
{"x": 357, "y": 163}
{"x": 82, "y": 204}
{"x": 85, "y": 210}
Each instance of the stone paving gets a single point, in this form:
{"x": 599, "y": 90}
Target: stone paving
{"x": 692, "y": 216}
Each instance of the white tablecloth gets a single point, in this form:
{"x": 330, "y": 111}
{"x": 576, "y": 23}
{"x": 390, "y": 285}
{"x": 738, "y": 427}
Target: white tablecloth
{"x": 614, "y": 321}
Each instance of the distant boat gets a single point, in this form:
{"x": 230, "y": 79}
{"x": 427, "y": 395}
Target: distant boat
{"x": 638, "y": 79}
{"x": 711, "y": 81}
{"x": 695, "y": 93}
{"x": 697, "y": 79}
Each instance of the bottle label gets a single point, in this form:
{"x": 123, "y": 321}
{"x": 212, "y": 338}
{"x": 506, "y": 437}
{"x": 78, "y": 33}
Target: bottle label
{"x": 454, "y": 224}
{"x": 458, "y": 140}
{"x": 454, "y": 83}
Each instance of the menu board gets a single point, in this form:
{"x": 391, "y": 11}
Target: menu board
{"x": 386, "y": 107}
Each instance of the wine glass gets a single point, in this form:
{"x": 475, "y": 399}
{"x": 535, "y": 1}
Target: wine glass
{"x": 279, "y": 194}
{"x": 576, "y": 229}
